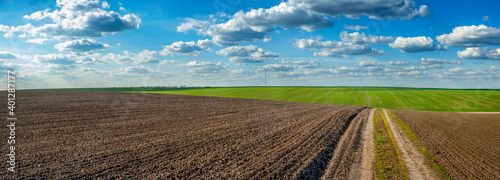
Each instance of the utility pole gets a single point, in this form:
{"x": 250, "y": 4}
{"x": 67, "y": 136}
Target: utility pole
{"x": 265, "y": 77}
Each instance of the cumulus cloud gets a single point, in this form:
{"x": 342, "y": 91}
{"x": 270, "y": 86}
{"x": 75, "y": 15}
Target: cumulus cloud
{"x": 369, "y": 64}
{"x": 416, "y": 44}
{"x": 63, "y": 59}
{"x": 374, "y": 9}
{"x": 276, "y": 68}
{"x": 466, "y": 36}
{"x": 184, "y": 48}
{"x": 335, "y": 48}
{"x": 431, "y": 61}
{"x": 460, "y": 71}
{"x": 355, "y": 27}
{"x": 82, "y": 45}
{"x": 203, "y": 68}
{"x": 58, "y": 69}
{"x": 398, "y": 63}
{"x": 92, "y": 71}
{"x": 193, "y": 25}
{"x": 6, "y": 55}
{"x": 144, "y": 57}
{"x": 479, "y": 53}
{"x": 256, "y": 24}
{"x": 357, "y": 38}
{"x": 307, "y": 64}
{"x": 246, "y": 54}
{"x": 76, "y": 19}
{"x": 37, "y": 41}
{"x": 414, "y": 68}
{"x": 137, "y": 70}
{"x": 169, "y": 62}
{"x": 409, "y": 73}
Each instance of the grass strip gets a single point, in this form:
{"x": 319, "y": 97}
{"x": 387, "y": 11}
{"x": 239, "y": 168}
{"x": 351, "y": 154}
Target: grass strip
{"x": 388, "y": 161}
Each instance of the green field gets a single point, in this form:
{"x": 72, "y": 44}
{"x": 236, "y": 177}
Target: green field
{"x": 466, "y": 100}
{"x": 456, "y": 100}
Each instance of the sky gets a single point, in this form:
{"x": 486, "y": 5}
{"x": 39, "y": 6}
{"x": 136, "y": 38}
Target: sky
{"x": 398, "y": 43}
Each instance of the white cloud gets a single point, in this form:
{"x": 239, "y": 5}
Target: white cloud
{"x": 276, "y": 68}
{"x": 343, "y": 68}
{"x": 369, "y": 64}
{"x": 24, "y": 35}
{"x": 431, "y": 61}
{"x": 355, "y": 27}
{"x": 492, "y": 68}
{"x": 414, "y": 68}
{"x": 416, "y": 44}
{"x": 434, "y": 66}
{"x": 184, "y": 48}
{"x": 37, "y": 41}
{"x": 193, "y": 25}
{"x": 105, "y": 5}
{"x": 398, "y": 63}
{"x": 7, "y": 55}
{"x": 165, "y": 62}
{"x": 460, "y": 71}
{"x": 58, "y": 69}
{"x": 256, "y": 24}
{"x": 409, "y": 73}
{"x": 335, "y": 48}
{"x": 92, "y": 71}
{"x": 76, "y": 19}
{"x": 374, "y": 9}
{"x": 357, "y": 38}
{"x": 307, "y": 64}
{"x": 137, "y": 70}
{"x": 63, "y": 59}
{"x": 246, "y": 54}
{"x": 9, "y": 66}
{"x": 144, "y": 57}
{"x": 465, "y": 36}
{"x": 267, "y": 38}
{"x": 479, "y": 53}
{"x": 8, "y": 34}
{"x": 199, "y": 68}
{"x": 81, "y": 45}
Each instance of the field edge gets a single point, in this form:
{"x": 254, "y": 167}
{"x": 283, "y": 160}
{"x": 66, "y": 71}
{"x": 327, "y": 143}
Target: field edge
{"x": 430, "y": 159}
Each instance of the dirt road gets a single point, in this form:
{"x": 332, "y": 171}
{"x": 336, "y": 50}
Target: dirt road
{"x": 413, "y": 159}
{"x": 365, "y": 162}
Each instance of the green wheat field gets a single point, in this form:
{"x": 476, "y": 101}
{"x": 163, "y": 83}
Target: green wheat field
{"x": 393, "y": 98}
{"x": 450, "y": 100}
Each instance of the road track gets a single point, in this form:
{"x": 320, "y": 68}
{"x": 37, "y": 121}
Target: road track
{"x": 412, "y": 158}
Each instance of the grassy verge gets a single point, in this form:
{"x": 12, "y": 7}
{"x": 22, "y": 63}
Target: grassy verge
{"x": 431, "y": 160}
{"x": 388, "y": 161}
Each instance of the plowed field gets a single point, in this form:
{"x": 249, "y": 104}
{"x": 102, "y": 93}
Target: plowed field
{"x": 467, "y": 145}
{"x": 75, "y": 135}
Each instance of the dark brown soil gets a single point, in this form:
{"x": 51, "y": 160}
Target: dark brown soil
{"x": 466, "y": 145}
{"x": 79, "y": 135}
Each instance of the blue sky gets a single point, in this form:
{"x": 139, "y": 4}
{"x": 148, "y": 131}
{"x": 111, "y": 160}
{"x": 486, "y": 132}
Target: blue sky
{"x": 81, "y": 43}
